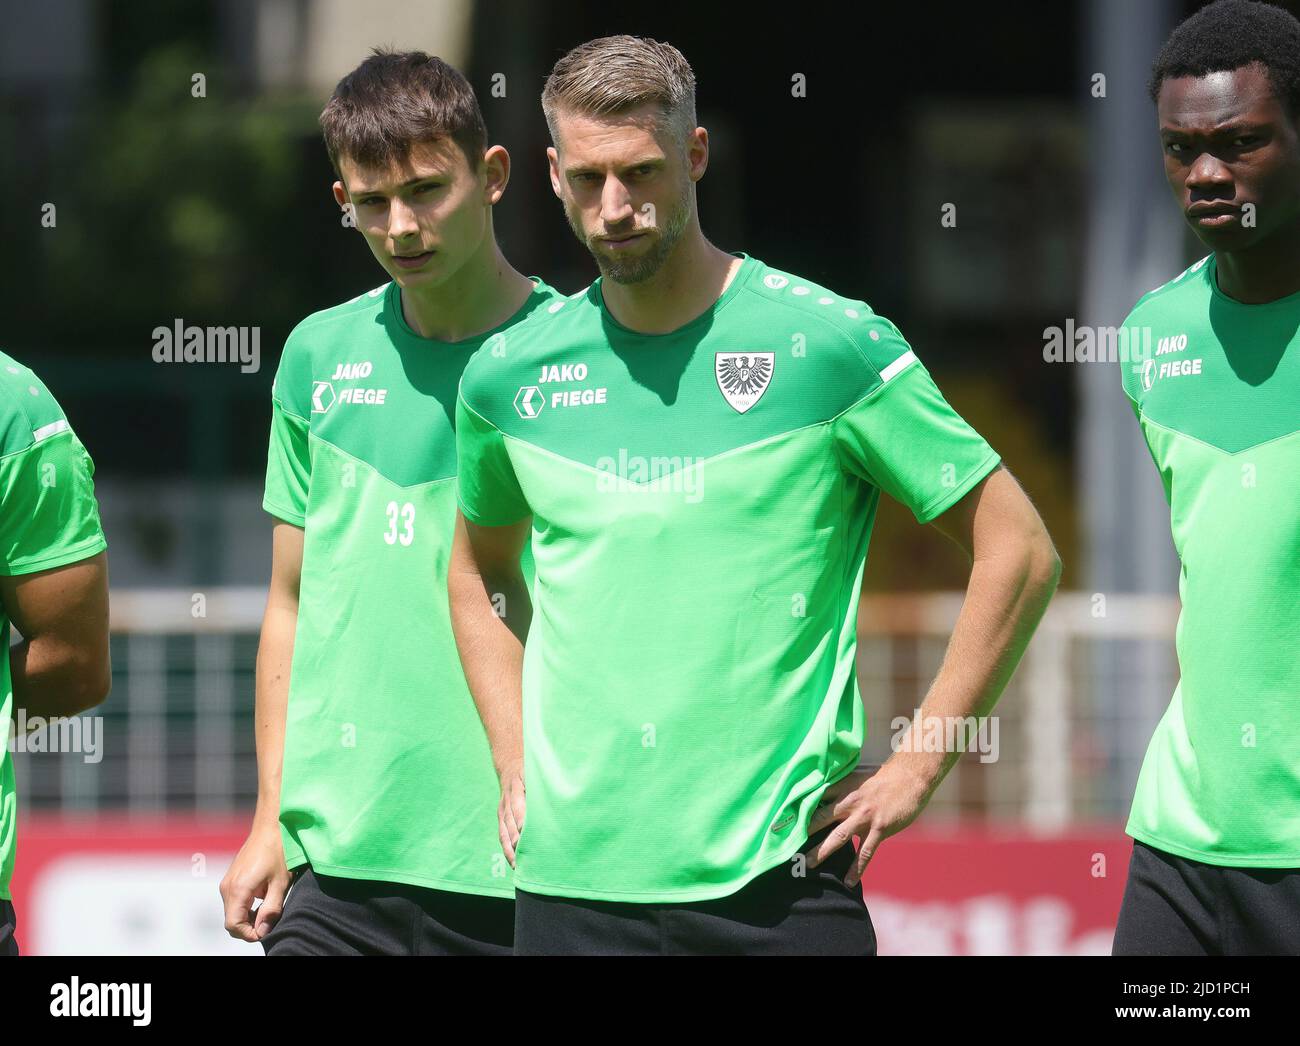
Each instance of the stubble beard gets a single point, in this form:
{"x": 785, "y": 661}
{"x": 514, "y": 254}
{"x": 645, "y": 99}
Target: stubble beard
{"x": 635, "y": 270}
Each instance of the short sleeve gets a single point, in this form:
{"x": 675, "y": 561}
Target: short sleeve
{"x": 288, "y": 457}
{"x": 288, "y": 467}
{"x": 904, "y": 437}
{"x": 1133, "y": 370}
{"x": 486, "y": 485}
{"x": 48, "y": 513}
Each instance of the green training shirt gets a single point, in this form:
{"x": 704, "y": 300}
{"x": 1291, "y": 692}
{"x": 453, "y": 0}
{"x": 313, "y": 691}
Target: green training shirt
{"x": 48, "y": 518}
{"x": 701, "y": 503}
{"x": 1218, "y": 400}
{"x": 387, "y": 772}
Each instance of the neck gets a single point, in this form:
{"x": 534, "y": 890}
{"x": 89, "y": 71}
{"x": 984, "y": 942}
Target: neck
{"x": 691, "y": 279}
{"x": 1265, "y": 272}
{"x": 484, "y": 293}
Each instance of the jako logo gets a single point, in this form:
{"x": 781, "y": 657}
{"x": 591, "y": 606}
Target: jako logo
{"x": 563, "y": 372}
{"x": 1148, "y": 374}
{"x": 529, "y": 401}
{"x": 322, "y": 397}
{"x": 102, "y": 1000}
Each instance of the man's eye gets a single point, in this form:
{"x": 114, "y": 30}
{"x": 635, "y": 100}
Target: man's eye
{"x": 429, "y": 186}
{"x": 1244, "y": 140}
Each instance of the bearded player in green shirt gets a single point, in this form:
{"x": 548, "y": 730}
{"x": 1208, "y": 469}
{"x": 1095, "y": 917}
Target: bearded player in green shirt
{"x": 374, "y": 776}
{"x": 697, "y": 443}
{"x": 53, "y": 585}
{"x": 1216, "y": 816}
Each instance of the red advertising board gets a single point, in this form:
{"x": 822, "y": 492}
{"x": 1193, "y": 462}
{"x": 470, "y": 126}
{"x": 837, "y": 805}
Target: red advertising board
{"x": 131, "y": 886}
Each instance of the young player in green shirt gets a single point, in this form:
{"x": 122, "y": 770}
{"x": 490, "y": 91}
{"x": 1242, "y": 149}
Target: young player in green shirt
{"x": 375, "y": 778}
{"x": 1216, "y": 816}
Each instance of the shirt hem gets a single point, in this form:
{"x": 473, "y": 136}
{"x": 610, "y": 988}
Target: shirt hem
{"x": 708, "y": 893}
{"x": 389, "y": 875}
{"x": 1218, "y": 859}
{"x": 298, "y": 519}
{"x": 78, "y": 552}
{"x": 937, "y": 508}
{"x": 485, "y": 519}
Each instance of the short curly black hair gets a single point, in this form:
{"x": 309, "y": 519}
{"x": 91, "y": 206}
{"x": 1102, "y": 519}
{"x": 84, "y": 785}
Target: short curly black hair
{"x": 1229, "y": 34}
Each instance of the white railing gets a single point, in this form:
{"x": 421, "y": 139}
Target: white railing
{"x": 1072, "y": 725}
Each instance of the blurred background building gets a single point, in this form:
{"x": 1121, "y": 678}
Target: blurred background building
{"x": 840, "y": 141}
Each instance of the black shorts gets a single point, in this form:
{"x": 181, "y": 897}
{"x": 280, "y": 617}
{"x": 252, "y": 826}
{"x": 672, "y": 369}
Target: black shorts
{"x": 1176, "y": 906}
{"x": 777, "y": 913}
{"x": 326, "y": 915}
{"x": 8, "y": 927}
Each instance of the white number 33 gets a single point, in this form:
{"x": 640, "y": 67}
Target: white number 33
{"x": 407, "y": 515}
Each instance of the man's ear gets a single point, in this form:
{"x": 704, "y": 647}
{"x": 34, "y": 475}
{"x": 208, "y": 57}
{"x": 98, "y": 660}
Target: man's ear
{"x": 340, "y": 195}
{"x": 697, "y": 153}
{"x": 496, "y": 162}
{"x": 553, "y": 163}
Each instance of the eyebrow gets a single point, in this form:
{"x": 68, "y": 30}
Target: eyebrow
{"x": 405, "y": 185}
{"x": 649, "y": 162}
{"x": 1234, "y": 124}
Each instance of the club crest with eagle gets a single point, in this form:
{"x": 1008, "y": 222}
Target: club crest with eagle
{"x": 743, "y": 377}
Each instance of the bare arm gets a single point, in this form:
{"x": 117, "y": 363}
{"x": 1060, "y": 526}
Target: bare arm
{"x": 61, "y": 667}
{"x": 259, "y": 868}
{"x": 274, "y": 656}
{"x": 490, "y": 614}
{"x": 1014, "y": 572}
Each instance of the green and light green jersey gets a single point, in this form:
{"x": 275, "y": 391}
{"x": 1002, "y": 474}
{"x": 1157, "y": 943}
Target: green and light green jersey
{"x": 48, "y": 518}
{"x": 387, "y": 772}
{"x": 1218, "y": 400}
{"x": 702, "y": 502}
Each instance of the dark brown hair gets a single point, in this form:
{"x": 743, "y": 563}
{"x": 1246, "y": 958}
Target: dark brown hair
{"x": 395, "y": 99}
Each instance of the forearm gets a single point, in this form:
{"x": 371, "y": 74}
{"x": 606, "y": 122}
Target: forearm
{"x": 274, "y": 659}
{"x": 1006, "y": 597}
{"x": 490, "y": 616}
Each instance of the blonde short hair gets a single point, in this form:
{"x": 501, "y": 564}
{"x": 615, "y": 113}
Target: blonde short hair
{"x": 615, "y": 74}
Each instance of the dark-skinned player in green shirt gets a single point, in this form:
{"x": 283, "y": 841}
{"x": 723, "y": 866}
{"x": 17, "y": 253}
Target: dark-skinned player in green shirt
{"x": 1216, "y": 817}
